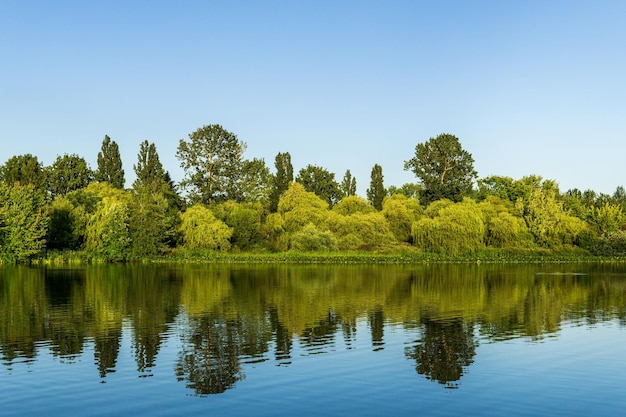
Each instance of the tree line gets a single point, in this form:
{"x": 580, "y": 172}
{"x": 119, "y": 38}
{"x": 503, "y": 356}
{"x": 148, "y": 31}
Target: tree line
{"x": 226, "y": 202}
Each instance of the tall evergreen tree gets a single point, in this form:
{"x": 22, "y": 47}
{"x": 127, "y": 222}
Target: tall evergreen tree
{"x": 110, "y": 164}
{"x": 150, "y": 172}
{"x": 376, "y": 193}
{"x": 348, "y": 185}
{"x": 154, "y": 209}
{"x": 282, "y": 178}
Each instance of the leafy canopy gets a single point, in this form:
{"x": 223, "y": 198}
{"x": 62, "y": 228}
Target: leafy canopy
{"x": 212, "y": 160}
{"x": 444, "y": 168}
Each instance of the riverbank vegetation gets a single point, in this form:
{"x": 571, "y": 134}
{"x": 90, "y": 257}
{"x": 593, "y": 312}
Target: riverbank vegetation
{"x": 232, "y": 209}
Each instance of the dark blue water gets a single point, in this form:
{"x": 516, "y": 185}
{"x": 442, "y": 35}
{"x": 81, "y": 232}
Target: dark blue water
{"x": 363, "y": 341}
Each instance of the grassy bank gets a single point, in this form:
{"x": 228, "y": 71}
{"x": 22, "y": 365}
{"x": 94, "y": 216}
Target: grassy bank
{"x": 290, "y": 257}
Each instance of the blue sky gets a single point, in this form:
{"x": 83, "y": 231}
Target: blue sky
{"x": 529, "y": 87}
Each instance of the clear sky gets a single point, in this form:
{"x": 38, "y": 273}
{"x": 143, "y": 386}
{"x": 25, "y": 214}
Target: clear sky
{"x": 528, "y": 87}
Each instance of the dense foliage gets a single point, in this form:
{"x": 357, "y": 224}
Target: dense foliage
{"x": 233, "y": 204}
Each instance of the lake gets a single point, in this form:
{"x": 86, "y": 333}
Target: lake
{"x": 285, "y": 340}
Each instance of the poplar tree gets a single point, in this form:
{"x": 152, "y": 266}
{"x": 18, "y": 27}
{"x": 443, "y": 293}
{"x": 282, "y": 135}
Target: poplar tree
{"x": 110, "y": 164}
{"x": 154, "y": 209}
{"x": 376, "y": 193}
{"x": 282, "y": 178}
{"x": 149, "y": 170}
{"x": 348, "y": 184}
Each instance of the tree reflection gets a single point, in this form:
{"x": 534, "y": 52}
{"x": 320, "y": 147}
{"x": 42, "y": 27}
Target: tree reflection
{"x": 106, "y": 350}
{"x": 210, "y": 360}
{"x": 234, "y": 316}
{"x": 282, "y": 336}
{"x": 322, "y": 334}
{"x": 445, "y": 349}
{"x": 377, "y": 323}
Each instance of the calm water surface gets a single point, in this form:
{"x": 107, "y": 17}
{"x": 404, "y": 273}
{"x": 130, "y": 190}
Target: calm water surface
{"x": 313, "y": 340}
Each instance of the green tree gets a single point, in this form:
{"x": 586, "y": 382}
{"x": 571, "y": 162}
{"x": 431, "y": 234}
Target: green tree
{"x": 280, "y": 180}
{"x": 23, "y": 170}
{"x": 212, "y": 160}
{"x": 321, "y": 182}
{"x": 68, "y": 173}
{"x": 200, "y": 229}
{"x": 444, "y": 168}
{"x": 298, "y": 207}
{"x": 108, "y": 234}
{"x": 310, "y": 239}
{"x": 151, "y": 223}
{"x": 64, "y": 230}
{"x": 23, "y": 222}
{"x": 154, "y": 209}
{"x": 110, "y": 164}
{"x": 400, "y": 213}
{"x": 149, "y": 170}
{"x": 505, "y": 188}
{"x": 245, "y": 221}
{"x": 504, "y": 229}
{"x": 409, "y": 190}
{"x": 607, "y": 218}
{"x": 254, "y": 182}
{"x": 83, "y": 205}
{"x": 545, "y": 215}
{"x": 619, "y": 196}
{"x": 451, "y": 228}
{"x": 348, "y": 185}
{"x": 361, "y": 231}
{"x": 376, "y": 193}
{"x": 352, "y": 205}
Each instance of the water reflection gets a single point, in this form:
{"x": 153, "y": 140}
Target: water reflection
{"x": 445, "y": 349}
{"x": 229, "y": 317}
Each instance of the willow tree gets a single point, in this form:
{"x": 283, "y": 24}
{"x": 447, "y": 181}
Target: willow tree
{"x": 361, "y": 231}
{"x": 353, "y": 205}
{"x": 445, "y": 169}
{"x": 212, "y": 159}
{"x": 298, "y": 207}
{"x": 108, "y": 229}
{"x": 504, "y": 228}
{"x": 200, "y": 229}
{"x": 400, "y": 213}
{"x": 453, "y": 229}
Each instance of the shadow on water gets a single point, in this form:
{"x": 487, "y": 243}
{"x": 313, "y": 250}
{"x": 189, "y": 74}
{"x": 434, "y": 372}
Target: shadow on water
{"x": 230, "y": 317}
